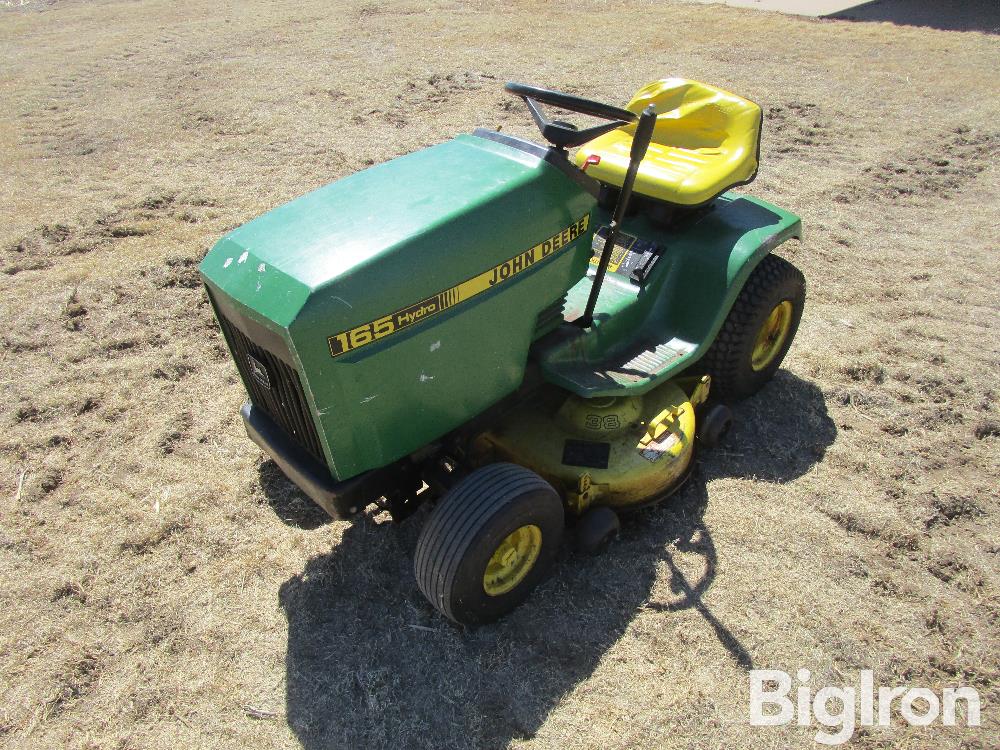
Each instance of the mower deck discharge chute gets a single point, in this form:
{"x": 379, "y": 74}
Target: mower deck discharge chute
{"x": 525, "y": 339}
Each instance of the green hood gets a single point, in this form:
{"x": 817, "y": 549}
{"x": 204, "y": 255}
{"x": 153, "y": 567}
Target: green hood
{"x": 314, "y": 282}
{"x": 330, "y": 232}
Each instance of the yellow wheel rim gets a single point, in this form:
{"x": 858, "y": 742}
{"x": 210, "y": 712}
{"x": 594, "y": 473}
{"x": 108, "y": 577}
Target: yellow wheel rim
{"x": 512, "y": 560}
{"x": 772, "y": 336}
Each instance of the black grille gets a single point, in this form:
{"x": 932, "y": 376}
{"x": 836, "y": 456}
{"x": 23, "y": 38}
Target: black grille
{"x": 274, "y": 387}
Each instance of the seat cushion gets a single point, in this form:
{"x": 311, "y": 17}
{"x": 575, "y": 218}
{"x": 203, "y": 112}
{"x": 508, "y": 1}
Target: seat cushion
{"x": 704, "y": 142}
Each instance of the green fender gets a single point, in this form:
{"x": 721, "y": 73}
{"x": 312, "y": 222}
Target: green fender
{"x": 645, "y": 336}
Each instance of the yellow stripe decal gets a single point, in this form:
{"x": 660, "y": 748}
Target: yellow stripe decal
{"x": 359, "y": 336}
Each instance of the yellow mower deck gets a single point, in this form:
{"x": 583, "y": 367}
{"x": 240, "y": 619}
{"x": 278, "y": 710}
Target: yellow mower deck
{"x": 619, "y": 452}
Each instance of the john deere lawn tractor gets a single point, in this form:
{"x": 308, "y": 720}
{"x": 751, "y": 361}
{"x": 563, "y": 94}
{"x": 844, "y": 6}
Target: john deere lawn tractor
{"x": 532, "y": 337}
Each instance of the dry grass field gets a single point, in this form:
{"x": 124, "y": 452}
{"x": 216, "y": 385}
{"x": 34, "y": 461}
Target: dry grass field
{"x": 162, "y": 586}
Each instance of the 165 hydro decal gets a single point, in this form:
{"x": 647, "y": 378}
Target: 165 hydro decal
{"x": 362, "y": 335}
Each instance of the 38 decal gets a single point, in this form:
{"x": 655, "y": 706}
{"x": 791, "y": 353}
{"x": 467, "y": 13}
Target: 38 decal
{"x": 362, "y": 335}
{"x": 602, "y": 422}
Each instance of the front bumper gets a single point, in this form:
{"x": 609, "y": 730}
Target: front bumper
{"x": 340, "y": 499}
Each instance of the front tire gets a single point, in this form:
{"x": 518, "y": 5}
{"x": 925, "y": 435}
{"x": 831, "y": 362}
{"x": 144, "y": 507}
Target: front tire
{"x": 758, "y": 331}
{"x": 488, "y": 543}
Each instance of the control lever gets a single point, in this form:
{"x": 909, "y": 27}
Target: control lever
{"x": 640, "y": 143}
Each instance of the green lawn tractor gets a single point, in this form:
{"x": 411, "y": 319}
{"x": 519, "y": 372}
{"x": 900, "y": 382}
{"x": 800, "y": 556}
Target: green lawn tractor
{"x": 531, "y": 337}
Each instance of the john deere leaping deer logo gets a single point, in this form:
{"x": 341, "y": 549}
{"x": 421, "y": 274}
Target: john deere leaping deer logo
{"x": 259, "y": 371}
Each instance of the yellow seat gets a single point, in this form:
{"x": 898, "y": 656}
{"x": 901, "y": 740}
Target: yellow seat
{"x": 705, "y": 141}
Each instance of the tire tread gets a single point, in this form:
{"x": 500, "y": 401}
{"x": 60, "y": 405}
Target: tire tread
{"x": 723, "y": 360}
{"x": 460, "y": 516}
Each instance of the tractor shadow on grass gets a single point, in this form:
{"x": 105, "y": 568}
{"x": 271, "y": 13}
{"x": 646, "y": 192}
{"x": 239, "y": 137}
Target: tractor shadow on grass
{"x": 971, "y": 15}
{"x": 371, "y": 664}
{"x": 288, "y": 502}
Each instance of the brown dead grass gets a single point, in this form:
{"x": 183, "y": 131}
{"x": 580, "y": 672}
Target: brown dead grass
{"x": 163, "y": 587}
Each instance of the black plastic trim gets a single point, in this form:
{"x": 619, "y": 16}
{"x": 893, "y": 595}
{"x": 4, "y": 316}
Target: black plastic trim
{"x": 553, "y": 156}
{"x": 521, "y": 144}
{"x": 340, "y": 499}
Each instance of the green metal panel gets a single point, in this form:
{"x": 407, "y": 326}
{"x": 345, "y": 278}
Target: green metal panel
{"x": 388, "y": 237}
{"x": 643, "y": 337}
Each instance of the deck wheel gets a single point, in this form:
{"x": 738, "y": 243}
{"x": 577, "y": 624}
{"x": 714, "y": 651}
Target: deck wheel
{"x": 596, "y": 529}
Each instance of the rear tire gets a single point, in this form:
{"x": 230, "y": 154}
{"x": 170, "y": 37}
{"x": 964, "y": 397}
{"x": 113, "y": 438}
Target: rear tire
{"x": 758, "y": 331}
{"x": 488, "y": 543}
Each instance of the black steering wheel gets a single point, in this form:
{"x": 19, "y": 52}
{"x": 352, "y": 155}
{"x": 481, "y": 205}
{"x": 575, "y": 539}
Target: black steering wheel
{"x": 564, "y": 135}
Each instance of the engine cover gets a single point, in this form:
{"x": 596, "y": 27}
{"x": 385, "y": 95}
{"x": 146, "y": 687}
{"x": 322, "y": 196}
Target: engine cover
{"x": 392, "y": 306}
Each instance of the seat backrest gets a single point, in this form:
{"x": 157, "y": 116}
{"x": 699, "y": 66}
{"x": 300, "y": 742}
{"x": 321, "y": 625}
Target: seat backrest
{"x": 694, "y": 115}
